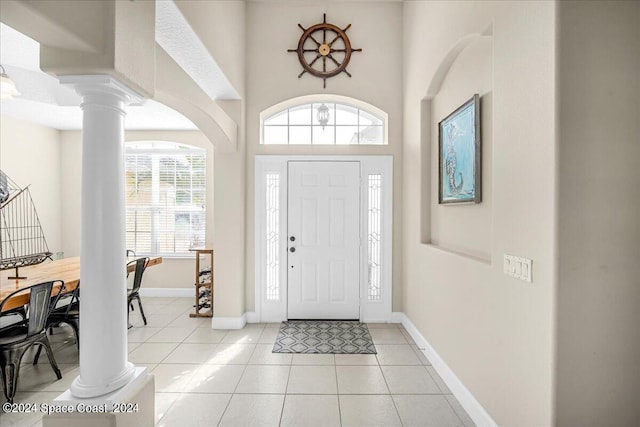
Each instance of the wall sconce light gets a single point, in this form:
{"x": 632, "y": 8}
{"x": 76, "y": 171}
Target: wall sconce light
{"x": 8, "y": 88}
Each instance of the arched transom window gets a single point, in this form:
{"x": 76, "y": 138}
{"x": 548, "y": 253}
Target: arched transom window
{"x": 324, "y": 121}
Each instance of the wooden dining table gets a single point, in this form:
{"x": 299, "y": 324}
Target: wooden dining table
{"x": 67, "y": 270}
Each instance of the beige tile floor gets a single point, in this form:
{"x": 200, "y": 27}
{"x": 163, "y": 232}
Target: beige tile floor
{"x": 208, "y": 377}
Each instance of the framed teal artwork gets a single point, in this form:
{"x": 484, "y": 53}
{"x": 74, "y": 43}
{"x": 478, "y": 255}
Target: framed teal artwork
{"x": 460, "y": 155}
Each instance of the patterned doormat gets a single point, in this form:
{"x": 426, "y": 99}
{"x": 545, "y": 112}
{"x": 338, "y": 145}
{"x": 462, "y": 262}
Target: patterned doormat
{"x": 324, "y": 336}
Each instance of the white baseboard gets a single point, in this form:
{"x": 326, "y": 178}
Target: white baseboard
{"x": 376, "y": 320}
{"x": 167, "y": 292}
{"x": 475, "y": 410}
{"x": 397, "y": 317}
{"x": 252, "y": 317}
{"x": 229, "y": 322}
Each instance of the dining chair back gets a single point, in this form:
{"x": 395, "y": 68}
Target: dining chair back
{"x": 68, "y": 313}
{"x": 17, "y": 338}
{"x": 133, "y": 293}
{"x": 39, "y": 304}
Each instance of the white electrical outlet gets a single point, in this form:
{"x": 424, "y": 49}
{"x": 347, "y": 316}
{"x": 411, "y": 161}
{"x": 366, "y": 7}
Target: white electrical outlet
{"x": 518, "y": 267}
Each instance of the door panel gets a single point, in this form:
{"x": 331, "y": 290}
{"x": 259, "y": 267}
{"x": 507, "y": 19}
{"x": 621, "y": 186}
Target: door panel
{"x": 324, "y": 219}
{"x": 336, "y": 281}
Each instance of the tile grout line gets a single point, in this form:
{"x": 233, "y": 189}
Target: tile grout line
{"x": 335, "y": 369}
{"x": 454, "y": 410}
{"x": 165, "y": 412}
{"x": 434, "y": 380}
{"x": 284, "y": 398}
{"x": 233, "y": 393}
{"x": 390, "y": 394}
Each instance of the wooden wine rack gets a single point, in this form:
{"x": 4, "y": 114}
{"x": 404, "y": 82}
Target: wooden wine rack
{"x": 204, "y": 289}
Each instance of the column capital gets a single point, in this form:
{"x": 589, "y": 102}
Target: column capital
{"x": 102, "y": 84}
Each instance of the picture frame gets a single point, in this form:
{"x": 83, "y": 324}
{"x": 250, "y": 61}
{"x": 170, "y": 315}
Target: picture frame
{"x": 460, "y": 155}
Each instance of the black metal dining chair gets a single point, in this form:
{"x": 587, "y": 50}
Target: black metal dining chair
{"x": 133, "y": 293}
{"x": 17, "y": 338}
{"x": 13, "y": 316}
{"x": 65, "y": 310}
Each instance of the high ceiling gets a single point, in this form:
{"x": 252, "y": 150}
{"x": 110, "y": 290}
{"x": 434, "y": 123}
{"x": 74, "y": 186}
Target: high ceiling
{"x": 45, "y": 101}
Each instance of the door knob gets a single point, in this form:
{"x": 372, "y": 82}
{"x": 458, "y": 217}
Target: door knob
{"x": 292, "y": 250}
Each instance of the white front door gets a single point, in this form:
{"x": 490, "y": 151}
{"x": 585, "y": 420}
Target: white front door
{"x": 323, "y": 240}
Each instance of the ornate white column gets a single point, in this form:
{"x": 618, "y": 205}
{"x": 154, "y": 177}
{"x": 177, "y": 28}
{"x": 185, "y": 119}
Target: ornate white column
{"x": 104, "y": 367}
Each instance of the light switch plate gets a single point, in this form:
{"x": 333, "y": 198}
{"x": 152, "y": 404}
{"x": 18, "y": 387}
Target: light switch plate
{"x": 518, "y": 267}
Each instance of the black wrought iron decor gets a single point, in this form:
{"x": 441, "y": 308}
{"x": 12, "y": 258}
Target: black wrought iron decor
{"x": 22, "y": 241}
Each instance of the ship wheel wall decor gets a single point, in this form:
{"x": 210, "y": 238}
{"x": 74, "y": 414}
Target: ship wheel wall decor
{"x": 324, "y": 50}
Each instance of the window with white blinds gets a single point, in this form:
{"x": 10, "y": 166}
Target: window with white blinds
{"x": 165, "y": 198}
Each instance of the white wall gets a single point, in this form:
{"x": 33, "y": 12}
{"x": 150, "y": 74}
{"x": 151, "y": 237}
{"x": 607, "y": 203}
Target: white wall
{"x": 221, "y": 25}
{"x": 465, "y": 229}
{"x": 598, "y": 340}
{"x": 30, "y": 155}
{"x": 221, "y": 28}
{"x": 172, "y": 273}
{"x": 71, "y": 181}
{"x": 495, "y": 332}
{"x": 272, "y": 78}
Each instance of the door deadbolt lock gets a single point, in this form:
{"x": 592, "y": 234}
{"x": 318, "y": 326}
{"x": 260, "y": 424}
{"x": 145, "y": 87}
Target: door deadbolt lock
{"x": 292, "y": 238}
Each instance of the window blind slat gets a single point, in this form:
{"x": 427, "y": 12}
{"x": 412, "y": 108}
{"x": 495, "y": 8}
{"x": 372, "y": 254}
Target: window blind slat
{"x": 165, "y": 199}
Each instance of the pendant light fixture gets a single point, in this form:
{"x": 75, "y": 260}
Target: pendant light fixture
{"x": 323, "y": 115}
{"x": 8, "y": 88}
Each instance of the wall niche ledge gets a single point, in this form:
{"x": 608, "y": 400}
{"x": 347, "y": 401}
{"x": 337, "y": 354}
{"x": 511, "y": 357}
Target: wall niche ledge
{"x": 482, "y": 259}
